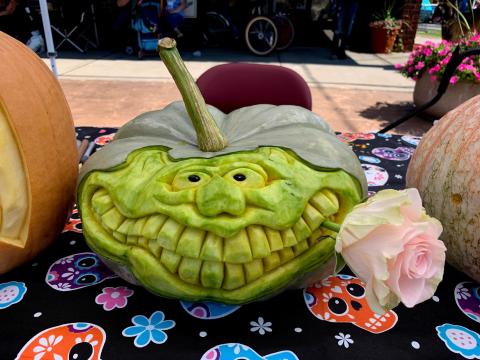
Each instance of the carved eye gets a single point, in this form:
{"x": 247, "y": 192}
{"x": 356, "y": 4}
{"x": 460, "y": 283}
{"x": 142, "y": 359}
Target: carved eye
{"x": 80, "y": 351}
{"x": 189, "y": 179}
{"x": 239, "y": 177}
{"x": 356, "y": 290}
{"x": 194, "y": 178}
{"x": 337, "y": 306}
{"x": 245, "y": 177}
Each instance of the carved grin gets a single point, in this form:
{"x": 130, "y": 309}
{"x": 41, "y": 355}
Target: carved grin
{"x": 203, "y": 258}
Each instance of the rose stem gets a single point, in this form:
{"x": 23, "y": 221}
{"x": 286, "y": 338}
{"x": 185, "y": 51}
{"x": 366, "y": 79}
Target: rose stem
{"x": 209, "y": 136}
{"x": 331, "y": 226}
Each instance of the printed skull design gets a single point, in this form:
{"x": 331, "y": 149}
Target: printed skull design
{"x": 236, "y": 351}
{"x": 398, "y": 154}
{"x": 74, "y": 223}
{"x": 467, "y": 297}
{"x": 350, "y": 137}
{"x": 208, "y": 310}
{"x": 342, "y": 299}
{"x": 376, "y": 175}
{"x": 80, "y": 341}
{"x": 77, "y": 271}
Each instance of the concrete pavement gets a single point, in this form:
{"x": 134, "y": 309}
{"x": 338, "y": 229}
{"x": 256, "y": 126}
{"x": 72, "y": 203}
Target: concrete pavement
{"x": 362, "y": 93}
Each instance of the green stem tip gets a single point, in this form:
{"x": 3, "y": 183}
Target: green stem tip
{"x": 209, "y": 136}
{"x": 331, "y": 226}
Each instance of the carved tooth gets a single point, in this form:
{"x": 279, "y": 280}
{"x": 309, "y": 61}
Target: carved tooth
{"x": 313, "y": 239}
{"x": 190, "y": 243}
{"x": 120, "y": 237}
{"x": 170, "y": 260}
{"x": 212, "y": 248}
{"x": 126, "y": 226}
{"x": 288, "y": 238}
{"x": 112, "y": 219}
{"x": 143, "y": 242}
{"x": 189, "y": 270}
{"x": 300, "y": 247}
{"x": 155, "y": 247}
{"x": 169, "y": 234}
{"x": 101, "y": 202}
{"x": 258, "y": 241}
{"x": 211, "y": 275}
{"x": 253, "y": 270}
{"x": 274, "y": 239}
{"x": 237, "y": 249}
{"x": 271, "y": 262}
{"x": 326, "y": 202}
{"x": 312, "y": 217}
{"x": 137, "y": 228}
{"x": 286, "y": 254}
{"x": 132, "y": 240}
{"x": 301, "y": 230}
{"x": 234, "y": 276}
{"x": 153, "y": 225}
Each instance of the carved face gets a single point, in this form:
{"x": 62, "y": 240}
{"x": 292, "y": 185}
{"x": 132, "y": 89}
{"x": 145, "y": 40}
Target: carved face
{"x": 224, "y": 228}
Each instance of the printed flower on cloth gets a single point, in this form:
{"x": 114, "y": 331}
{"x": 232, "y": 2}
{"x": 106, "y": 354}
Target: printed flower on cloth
{"x": 113, "y": 297}
{"x": 146, "y": 330}
{"x": 261, "y": 326}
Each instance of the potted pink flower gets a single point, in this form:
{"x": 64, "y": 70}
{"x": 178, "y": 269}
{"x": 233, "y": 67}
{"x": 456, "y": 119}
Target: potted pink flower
{"x": 426, "y": 65}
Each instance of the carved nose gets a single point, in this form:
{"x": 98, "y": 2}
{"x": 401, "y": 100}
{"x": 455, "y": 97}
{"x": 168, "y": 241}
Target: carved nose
{"x": 356, "y": 305}
{"x": 220, "y": 196}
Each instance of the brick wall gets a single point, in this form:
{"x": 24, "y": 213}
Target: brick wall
{"x": 411, "y": 15}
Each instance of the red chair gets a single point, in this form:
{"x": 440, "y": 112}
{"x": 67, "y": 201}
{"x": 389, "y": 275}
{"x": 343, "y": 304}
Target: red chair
{"x": 235, "y": 85}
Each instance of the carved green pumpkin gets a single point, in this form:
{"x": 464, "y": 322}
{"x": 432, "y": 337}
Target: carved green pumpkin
{"x": 233, "y": 225}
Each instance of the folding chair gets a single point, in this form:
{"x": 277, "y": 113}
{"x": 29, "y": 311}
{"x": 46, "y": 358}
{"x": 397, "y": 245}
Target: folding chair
{"x": 76, "y": 35}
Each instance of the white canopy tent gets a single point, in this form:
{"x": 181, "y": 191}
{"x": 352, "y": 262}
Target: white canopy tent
{"x": 48, "y": 35}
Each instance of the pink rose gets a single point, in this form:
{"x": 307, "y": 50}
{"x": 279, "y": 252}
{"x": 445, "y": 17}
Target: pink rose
{"x": 392, "y": 245}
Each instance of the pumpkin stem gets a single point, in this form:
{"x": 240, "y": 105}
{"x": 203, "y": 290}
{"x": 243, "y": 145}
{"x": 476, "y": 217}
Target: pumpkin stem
{"x": 209, "y": 136}
{"x": 331, "y": 226}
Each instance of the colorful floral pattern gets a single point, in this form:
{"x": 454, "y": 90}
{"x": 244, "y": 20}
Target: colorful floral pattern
{"x": 114, "y": 297}
{"x": 146, "y": 330}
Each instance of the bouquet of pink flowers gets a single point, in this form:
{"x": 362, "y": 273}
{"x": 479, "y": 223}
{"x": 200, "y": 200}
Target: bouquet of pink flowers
{"x": 432, "y": 58}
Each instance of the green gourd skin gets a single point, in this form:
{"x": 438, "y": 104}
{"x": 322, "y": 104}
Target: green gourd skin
{"x": 148, "y": 215}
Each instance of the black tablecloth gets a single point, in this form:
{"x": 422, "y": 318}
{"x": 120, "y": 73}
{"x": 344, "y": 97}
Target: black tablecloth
{"x": 67, "y": 305}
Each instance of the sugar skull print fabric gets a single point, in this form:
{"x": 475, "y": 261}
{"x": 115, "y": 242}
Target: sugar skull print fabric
{"x": 460, "y": 340}
{"x": 50, "y": 308}
{"x": 342, "y": 299}
{"x": 235, "y": 351}
{"x": 11, "y": 293}
{"x": 208, "y": 310}
{"x": 467, "y": 297}
{"x": 77, "y": 271}
{"x": 79, "y": 341}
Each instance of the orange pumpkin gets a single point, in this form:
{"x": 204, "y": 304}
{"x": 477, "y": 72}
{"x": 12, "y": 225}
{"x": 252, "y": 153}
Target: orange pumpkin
{"x": 38, "y": 161}
{"x": 446, "y": 170}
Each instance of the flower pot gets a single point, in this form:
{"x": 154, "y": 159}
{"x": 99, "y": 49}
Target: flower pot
{"x": 382, "y": 39}
{"x": 425, "y": 89}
